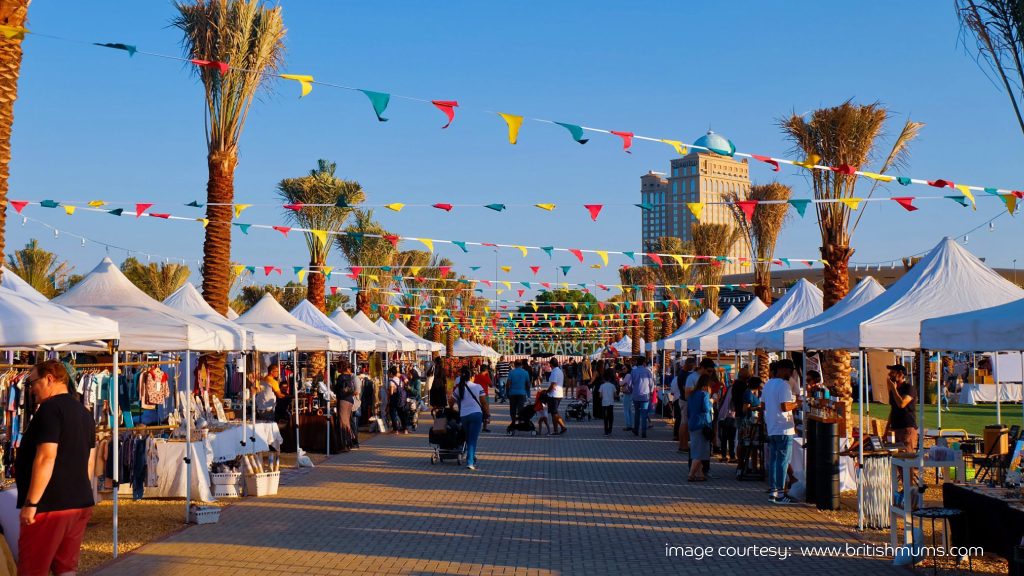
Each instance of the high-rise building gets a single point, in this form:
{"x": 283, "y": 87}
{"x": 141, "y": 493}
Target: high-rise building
{"x": 700, "y": 176}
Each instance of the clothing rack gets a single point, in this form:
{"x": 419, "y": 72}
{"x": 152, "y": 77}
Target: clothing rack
{"x": 121, "y": 364}
{"x": 16, "y": 366}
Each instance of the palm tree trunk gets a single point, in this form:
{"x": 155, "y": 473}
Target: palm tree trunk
{"x": 316, "y": 285}
{"x": 648, "y": 333}
{"x": 220, "y": 190}
{"x": 636, "y": 340}
{"x": 450, "y": 343}
{"x": 763, "y": 291}
{"x": 435, "y": 333}
{"x": 363, "y": 303}
{"x": 414, "y": 324}
{"x": 12, "y": 13}
{"x": 667, "y": 326}
{"x": 836, "y": 364}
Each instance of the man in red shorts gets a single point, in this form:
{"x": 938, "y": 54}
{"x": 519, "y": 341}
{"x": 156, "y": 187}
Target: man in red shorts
{"x": 52, "y": 474}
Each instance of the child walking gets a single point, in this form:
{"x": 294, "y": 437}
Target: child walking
{"x": 541, "y": 410}
{"x": 607, "y": 392}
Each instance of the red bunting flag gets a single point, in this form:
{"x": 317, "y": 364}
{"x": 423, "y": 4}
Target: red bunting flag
{"x": 140, "y": 208}
{"x": 155, "y": 215}
{"x": 444, "y": 270}
{"x": 601, "y": 306}
{"x": 283, "y": 230}
{"x": 267, "y": 270}
{"x": 627, "y": 139}
{"x": 906, "y": 202}
{"x": 748, "y": 208}
{"x": 844, "y": 169}
{"x": 392, "y": 239}
{"x": 594, "y": 209}
{"x": 521, "y": 292}
{"x": 535, "y": 269}
{"x": 222, "y": 66}
{"x": 766, "y": 160}
{"x": 602, "y": 286}
{"x": 577, "y": 253}
{"x": 494, "y": 245}
{"x": 296, "y": 207}
{"x": 356, "y": 270}
{"x": 18, "y": 205}
{"x": 546, "y": 285}
{"x": 488, "y": 282}
{"x": 334, "y": 290}
{"x": 445, "y": 207}
{"x": 941, "y": 184}
{"x": 1016, "y": 193}
{"x": 656, "y": 258}
{"x": 448, "y": 107}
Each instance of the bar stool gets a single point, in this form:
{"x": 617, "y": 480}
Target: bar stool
{"x": 945, "y": 515}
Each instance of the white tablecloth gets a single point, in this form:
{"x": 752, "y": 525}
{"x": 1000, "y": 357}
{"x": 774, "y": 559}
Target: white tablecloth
{"x": 171, "y": 473}
{"x": 227, "y": 445}
{"x": 847, "y": 465}
{"x": 974, "y": 393}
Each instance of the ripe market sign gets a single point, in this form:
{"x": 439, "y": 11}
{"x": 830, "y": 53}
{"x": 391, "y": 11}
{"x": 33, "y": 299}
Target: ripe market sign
{"x": 556, "y": 347}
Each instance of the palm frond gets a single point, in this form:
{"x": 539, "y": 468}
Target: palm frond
{"x": 320, "y": 186}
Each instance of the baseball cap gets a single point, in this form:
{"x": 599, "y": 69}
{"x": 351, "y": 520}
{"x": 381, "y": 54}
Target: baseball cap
{"x": 707, "y": 364}
{"x": 899, "y": 368}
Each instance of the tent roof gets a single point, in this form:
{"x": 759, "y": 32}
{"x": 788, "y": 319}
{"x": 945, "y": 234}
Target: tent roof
{"x": 387, "y": 329}
{"x": 800, "y": 303}
{"x": 188, "y": 300}
{"x": 706, "y": 320}
{"x": 232, "y": 315}
{"x": 996, "y": 329}
{"x": 661, "y": 344}
{"x": 708, "y": 340}
{"x": 948, "y": 280}
{"x": 405, "y": 331}
{"x": 14, "y": 283}
{"x": 306, "y": 313}
{"x": 144, "y": 323}
{"x": 402, "y": 345}
{"x": 791, "y": 338}
{"x": 269, "y": 315}
{"x": 464, "y": 348}
{"x": 30, "y": 323}
{"x": 346, "y": 323}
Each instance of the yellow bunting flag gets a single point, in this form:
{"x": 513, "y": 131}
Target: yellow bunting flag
{"x": 505, "y": 269}
{"x": 428, "y": 243}
{"x": 326, "y": 270}
{"x": 595, "y": 265}
{"x": 677, "y": 258}
{"x": 397, "y": 206}
{"x": 534, "y": 304}
{"x": 499, "y": 291}
{"x": 514, "y": 122}
{"x": 507, "y": 284}
{"x": 825, "y": 262}
{"x": 415, "y": 270}
{"x": 851, "y": 203}
{"x": 811, "y": 161}
{"x": 548, "y": 207}
{"x": 97, "y": 203}
{"x": 1011, "y": 203}
{"x": 14, "y": 32}
{"x": 680, "y": 149}
{"x": 375, "y": 278}
{"x": 878, "y": 177}
{"x": 303, "y": 79}
{"x": 603, "y": 255}
{"x": 523, "y": 249}
{"x": 239, "y": 270}
{"x": 205, "y": 221}
{"x": 239, "y": 208}
{"x": 301, "y": 274}
{"x": 69, "y": 209}
{"x": 966, "y": 191}
{"x": 697, "y": 208}
{"x": 321, "y": 235}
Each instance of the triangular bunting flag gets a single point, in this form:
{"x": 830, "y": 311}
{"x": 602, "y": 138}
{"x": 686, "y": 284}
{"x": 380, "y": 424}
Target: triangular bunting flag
{"x": 448, "y": 107}
{"x": 97, "y": 204}
{"x": 548, "y": 207}
{"x": 18, "y": 205}
{"x": 49, "y": 204}
{"x": 445, "y": 207}
{"x": 392, "y": 239}
{"x": 577, "y": 253}
{"x": 69, "y": 210}
{"x": 460, "y": 245}
{"x": 680, "y": 149}
{"x": 603, "y": 255}
{"x": 495, "y": 207}
{"x": 396, "y": 206}
{"x": 767, "y": 160}
{"x": 514, "y": 122}
{"x": 243, "y": 227}
{"x": 844, "y": 169}
{"x": 576, "y": 131}
{"x": 380, "y": 102}
{"x": 907, "y": 202}
{"x": 222, "y": 66}
{"x": 565, "y": 270}
{"x": 851, "y": 203}
{"x": 646, "y": 206}
{"x": 627, "y": 139}
{"x": 535, "y": 269}
{"x": 966, "y": 190}
{"x": 594, "y": 209}
{"x": 958, "y": 199}
{"x": 428, "y": 243}
{"x": 283, "y": 230}
{"x": 697, "y": 208}
{"x": 630, "y": 254}
{"x": 800, "y": 205}
{"x": 655, "y": 257}
{"x": 194, "y": 204}
{"x": 505, "y": 269}
{"x": 811, "y": 161}
{"x": 140, "y": 208}
{"x": 748, "y": 208}
{"x": 303, "y": 79}
{"x": 295, "y": 207}
{"x": 239, "y": 208}
{"x": 321, "y": 235}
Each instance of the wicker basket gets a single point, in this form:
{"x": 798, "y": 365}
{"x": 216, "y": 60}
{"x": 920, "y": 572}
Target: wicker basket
{"x": 226, "y": 485}
{"x": 234, "y": 478}
{"x": 264, "y": 484}
{"x": 203, "y": 514}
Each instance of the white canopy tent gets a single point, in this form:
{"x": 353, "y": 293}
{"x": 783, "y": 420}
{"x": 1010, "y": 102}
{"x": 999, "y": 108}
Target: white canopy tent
{"x": 346, "y": 323}
{"x": 706, "y": 320}
{"x": 188, "y": 300}
{"x": 666, "y": 343}
{"x": 405, "y": 331}
{"x": 306, "y": 313}
{"x": 624, "y": 347}
{"x": 387, "y": 329}
{"x": 465, "y": 349}
{"x": 232, "y": 315}
{"x": 791, "y": 338}
{"x": 14, "y": 283}
{"x": 948, "y": 280}
{"x": 707, "y": 341}
{"x": 401, "y": 344}
{"x": 995, "y": 329}
{"x": 28, "y": 323}
{"x": 269, "y": 316}
{"x": 800, "y": 303}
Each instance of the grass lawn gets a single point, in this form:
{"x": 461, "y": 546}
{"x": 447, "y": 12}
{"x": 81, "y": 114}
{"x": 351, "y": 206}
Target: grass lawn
{"x": 970, "y": 418}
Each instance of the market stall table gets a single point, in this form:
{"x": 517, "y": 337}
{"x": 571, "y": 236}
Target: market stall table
{"x": 974, "y": 393}
{"x": 991, "y": 522}
{"x": 227, "y": 444}
{"x": 171, "y": 474}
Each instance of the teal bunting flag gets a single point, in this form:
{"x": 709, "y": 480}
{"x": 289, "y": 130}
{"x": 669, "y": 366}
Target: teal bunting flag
{"x": 785, "y": 261}
{"x": 474, "y": 268}
{"x": 961, "y": 200}
{"x": 461, "y": 245}
{"x": 194, "y": 204}
{"x": 251, "y": 269}
{"x": 527, "y": 284}
{"x": 118, "y": 46}
{"x": 576, "y": 131}
{"x": 645, "y": 206}
{"x": 358, "y": 237}
{"x": 296, "y": 270}
{"x": 116, "y": 211}
{"x": 495, "y": 207}
{"x": 380, "y": 102}
{"x": 385, "y": 268}
{"x": 800, "y": 205}
{"x": 49, "y": 204}
{"x": 463, "y": 281}
{"x": 342, "y": 202}
{"x": 243, "y": 227}
{"x": 903, "y": 180}
{"x": 582, "y": 285}
{"x": 565, "y": 270}
{"x": 630, "y": 254}
{"x": 374, "y": 306}
{"x": 480, "y": 290}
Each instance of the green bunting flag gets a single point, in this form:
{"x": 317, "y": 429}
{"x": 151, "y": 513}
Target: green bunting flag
{"x": 630, "y": 254}
{"x": 903, "y": 180}
{"x": 645, "y": 206}
{"x": 495, "y": 207}
{"x": 460, "y": 245}
{"x": 116, "y": 211}
{"x": 576, "y": 131}
{"x": 547, "y": 249}
{"x": 380, "y": 102}
{"x": 243, "y": 227}
{"x": 474, "y": 268}
{"x": 49, "y": 204}
{"x": 118, "y": 46}
{"x": 194, "y": 204}
{"x": 527, "y": 284}
{"x": 296, "y": 269}
{"x": 785, "y": 261}
{"x": 251, "y": 269}
{"x": 961, "y": 200}
{"x": 358, "y": 236}
{"x": 565, "y": 270}
{"x": 800, "y": 205}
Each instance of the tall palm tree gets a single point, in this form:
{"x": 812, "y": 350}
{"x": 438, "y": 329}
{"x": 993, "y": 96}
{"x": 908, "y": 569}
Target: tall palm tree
{"x": 249, "y": 36}
{"x": 712, "y": 240}
{"x": 12, "y": 13}
{"x": 641, "y": 276}
{"x": 40, "y": 269}
{"x": 157, "y": 280}
{"x": 360, "y": 251}
{"x": 412, "y": 289}
{"x": 303, "y": 194}
{"x": 997, "y": 27}
{"x": 847, "y": 134}
{"x": 677, "y": 276}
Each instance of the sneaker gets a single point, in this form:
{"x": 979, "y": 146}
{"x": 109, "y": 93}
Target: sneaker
{"x": 784, "y": 500}
{"x": 709, "y": 475}
{"x": 405, "y": 431}
{"x": 772, "y": 497}
{"x": 471, "y": 466}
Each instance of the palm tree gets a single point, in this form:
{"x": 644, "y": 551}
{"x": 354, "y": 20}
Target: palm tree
{"x": 412, "y": 289}
{"x": 336, "y": 301}
{"x": 842, "y": 135}
{"x": 40, "y": 269}
{"x": 157, "y": 280}
{"x": 370, "y": 252}
{"x": 249, "y": 36}
{"x": 997, "y": 27}
{"x": 320, "y": 186}
{"x": 12, "y": 13}
{"x": 677, "y": 276}
{"x": 288, "y": 296}
{"x": 712, "y": 240}
{"x": 641, "y": 276}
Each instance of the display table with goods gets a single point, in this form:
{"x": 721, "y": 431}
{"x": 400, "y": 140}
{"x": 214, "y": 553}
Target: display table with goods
{"x": 991, "y": 517}
{"x": 171, "y": 475}
{"x": 974, "y": 393}
{"x": 225, "y": 443}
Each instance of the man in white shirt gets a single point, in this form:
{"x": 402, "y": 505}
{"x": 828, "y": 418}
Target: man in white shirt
{"x": 556, "y": 391}
{"x": 779, "y": 403}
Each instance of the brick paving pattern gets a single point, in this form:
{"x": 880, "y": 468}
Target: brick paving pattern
{"x": 574, "y": 504}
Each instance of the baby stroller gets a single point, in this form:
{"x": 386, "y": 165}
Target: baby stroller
{"x": 447, "y": 437}
{"x": 577, "y": 410}
{"x": 523, "y": 422}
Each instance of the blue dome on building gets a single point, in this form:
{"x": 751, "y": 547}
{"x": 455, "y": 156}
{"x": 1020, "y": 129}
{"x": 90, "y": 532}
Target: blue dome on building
{"x": 716, "y": 144}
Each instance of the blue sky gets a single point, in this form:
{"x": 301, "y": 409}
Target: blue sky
{"x": 91, "y": 123}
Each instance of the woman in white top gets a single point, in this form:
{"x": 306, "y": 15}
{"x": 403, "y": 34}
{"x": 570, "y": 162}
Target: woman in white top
{"x": 472, "y": 411}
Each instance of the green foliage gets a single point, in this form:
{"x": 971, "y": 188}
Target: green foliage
{"x": 289, "y": 296}
{"x": 335, "y": 301}
{"x": 320, "y": 186}
{"x": 41, "y": 269}
{"x": 158, "y": 280}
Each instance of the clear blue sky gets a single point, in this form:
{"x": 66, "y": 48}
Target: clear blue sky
{"x": 93, "y": 123}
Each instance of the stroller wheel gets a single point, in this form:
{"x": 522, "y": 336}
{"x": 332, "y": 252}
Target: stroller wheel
{"x": 533, "y": 433}
{"x": 511, "y": 431}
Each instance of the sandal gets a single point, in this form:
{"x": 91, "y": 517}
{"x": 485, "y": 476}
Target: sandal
{"x": 691, "y": 479}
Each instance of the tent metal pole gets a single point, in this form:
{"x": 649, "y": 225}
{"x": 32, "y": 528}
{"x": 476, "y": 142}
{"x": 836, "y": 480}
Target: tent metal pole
{"x": 995, "y": 372}
{"x": 116, "y": 456}
{"x": 295, "y": 385}
{"x": 245, "y": 397}
{"x": 860, "y": 447}
{"x": 188, "y": 432}
{"x": 920, "y": 423}
{"x": 328, "y": 400}
{"x": 258, "y": 366}
{"x": 938, "y": 391}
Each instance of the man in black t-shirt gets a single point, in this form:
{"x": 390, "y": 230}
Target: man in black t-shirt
{"x": 52, "y": 471}
{"x": 902, "y": 403}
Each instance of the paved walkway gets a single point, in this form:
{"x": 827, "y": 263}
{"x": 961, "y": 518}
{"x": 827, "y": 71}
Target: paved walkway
{"x": 574, "y": 504}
